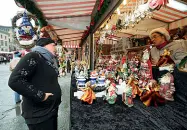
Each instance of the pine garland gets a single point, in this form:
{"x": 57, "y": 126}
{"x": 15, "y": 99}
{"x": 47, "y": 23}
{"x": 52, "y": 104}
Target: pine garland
{"x": 100, "y": 12}
{"x": 30, "y": 6}
{"x": 96, "y": 18}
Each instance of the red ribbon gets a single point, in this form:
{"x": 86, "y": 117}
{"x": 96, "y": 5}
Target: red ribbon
{"x": 100, "y": 5}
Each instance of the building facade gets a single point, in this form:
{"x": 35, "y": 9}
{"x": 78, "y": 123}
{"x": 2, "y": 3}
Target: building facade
{"x": 7, "y": 40}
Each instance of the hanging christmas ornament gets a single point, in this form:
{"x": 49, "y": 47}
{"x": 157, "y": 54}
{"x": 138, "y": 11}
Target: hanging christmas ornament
{"x": 133, "y": 19}
{"x": 118, "y": 24}
{"x": 132, "y": 25}
{"x": 157, "y": 4}
{"x": 25, "y": 34}
{"x": 143, "y": 15}
{"x": 48, "y": 32}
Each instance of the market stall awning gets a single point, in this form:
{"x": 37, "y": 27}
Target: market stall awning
{"x": 178, "y": 23}
{"x": 168, "y": 14}
{"x": 69, "y": 18}
{"x": 165, "y": 13}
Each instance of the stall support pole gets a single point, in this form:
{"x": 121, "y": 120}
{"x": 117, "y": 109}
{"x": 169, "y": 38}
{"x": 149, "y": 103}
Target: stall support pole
{"x": 92, "y": 56}
{"x": 81, "y": 53}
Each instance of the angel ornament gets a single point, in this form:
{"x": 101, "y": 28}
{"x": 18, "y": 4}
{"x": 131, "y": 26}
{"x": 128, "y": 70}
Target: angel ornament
{"x": 89, "y": 95}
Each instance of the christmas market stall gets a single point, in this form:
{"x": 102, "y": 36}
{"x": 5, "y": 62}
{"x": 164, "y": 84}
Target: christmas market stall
{"x": 124, "y": 89}
{"x": 115, "y": 84}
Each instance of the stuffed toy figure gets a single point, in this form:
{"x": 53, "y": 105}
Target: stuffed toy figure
{"x": 151, "y": 94}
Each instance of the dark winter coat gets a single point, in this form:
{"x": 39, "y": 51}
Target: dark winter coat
{"x": 68, "y": 65}
{"x": 32, "y": 78}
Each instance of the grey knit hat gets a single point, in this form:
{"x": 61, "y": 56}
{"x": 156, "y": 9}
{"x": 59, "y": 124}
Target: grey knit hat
{"x": 44, "y": 41}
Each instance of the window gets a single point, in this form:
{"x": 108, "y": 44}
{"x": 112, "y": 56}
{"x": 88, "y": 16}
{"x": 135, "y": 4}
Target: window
{"x": 9, "y": 39}
{"x": 2, "y": 43}
{"x": 5, "y": 37}
{"x": 1, "y": 36}
{"x": 5, "y": 43}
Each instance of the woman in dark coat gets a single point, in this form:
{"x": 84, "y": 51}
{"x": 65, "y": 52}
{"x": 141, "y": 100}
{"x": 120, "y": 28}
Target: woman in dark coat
{"x": 36, "y": 79}
{"x": 68, "y": 66}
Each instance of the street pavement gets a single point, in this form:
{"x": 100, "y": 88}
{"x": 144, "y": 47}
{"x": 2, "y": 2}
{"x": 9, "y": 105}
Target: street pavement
{"x": 10, "y": 118}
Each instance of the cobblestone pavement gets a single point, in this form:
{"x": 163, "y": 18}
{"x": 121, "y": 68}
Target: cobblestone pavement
{"x": 64, "y": 109}
{"x": 10, "y": 118}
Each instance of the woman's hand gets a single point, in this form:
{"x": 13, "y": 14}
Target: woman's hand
{"x": 47, "y": 95}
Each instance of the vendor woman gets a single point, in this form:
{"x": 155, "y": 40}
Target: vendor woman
{"x": 161, "y": 39}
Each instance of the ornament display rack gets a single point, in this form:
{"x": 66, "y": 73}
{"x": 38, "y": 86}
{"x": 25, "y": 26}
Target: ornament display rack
{"x": 125, "y": 46}
{"x": 136, "y": 51}
{"x": 138, "y": 48}
{"x": 106, "y": 59}
{"x": 121, "y": 46}
{"x": 117, "y": 48}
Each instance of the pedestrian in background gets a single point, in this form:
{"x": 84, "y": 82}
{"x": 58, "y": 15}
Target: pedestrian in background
{"x": 68, "y": 66}
{"x": 36, "y": 79}
{"x": 13, "y": 63}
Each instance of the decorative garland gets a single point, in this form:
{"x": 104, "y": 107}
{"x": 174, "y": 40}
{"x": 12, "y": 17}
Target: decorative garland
{"x": 32, "y": 8}
{"x": 103, "y": 6}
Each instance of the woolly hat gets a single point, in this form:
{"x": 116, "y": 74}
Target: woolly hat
{"x": 163, "y": 31}
{"x": 44, "y": 41}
